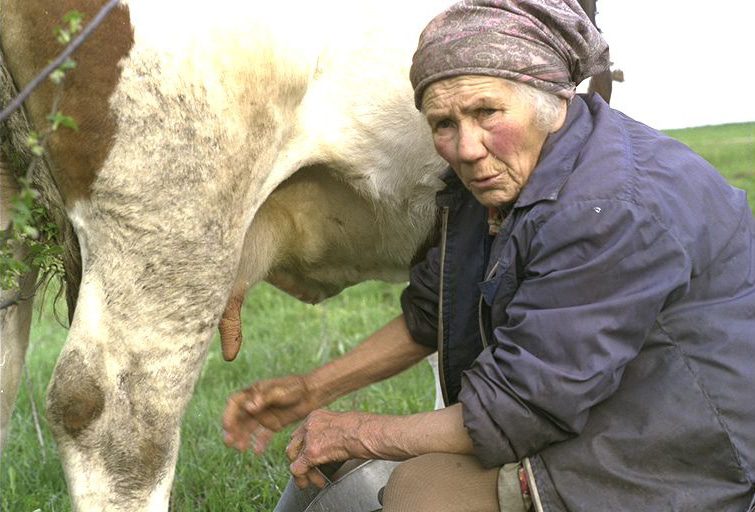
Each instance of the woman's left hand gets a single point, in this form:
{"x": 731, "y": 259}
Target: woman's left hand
{"x": 326, "y": 436}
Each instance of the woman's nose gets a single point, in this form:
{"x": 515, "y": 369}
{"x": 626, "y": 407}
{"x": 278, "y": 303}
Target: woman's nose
{"x": 470, "y": 145}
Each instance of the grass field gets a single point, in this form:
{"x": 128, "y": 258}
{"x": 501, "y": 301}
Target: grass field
{"x": 281, "y": 336}
{"x": 731, "y": 150}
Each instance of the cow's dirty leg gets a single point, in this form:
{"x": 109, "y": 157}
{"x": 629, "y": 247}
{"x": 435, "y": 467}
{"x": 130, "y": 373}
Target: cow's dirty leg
{"x": 15, "y": 322}
{"x": 15, "y": 317}
{"x": 117, "y": 437}
{"x": 116, "y": 398}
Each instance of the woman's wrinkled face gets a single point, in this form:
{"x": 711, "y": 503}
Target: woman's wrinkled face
{"x": 487, "y": 133}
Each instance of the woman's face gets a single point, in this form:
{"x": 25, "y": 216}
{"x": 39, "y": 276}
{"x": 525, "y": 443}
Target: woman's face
{"x": 487, "y": 133}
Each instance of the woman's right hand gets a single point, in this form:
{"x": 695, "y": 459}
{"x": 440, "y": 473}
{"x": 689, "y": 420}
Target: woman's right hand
{"x": 253, "y": 415}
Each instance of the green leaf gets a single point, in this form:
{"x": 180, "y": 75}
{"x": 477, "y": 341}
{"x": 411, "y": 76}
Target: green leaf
{"x": 68, "y": 64}
{"x": 74, "y": 19}
{"x": 22, "y": 210}
{"x": 32, "y": 139}
{"x": 62, "y": 35}
{"x": 57, "y": 76}
{"x": 31, "y": 232}
{"x": 59, "y": 119}
{"x": 35, "y": 144}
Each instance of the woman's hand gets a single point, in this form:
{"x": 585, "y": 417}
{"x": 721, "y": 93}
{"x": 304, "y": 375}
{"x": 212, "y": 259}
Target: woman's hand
{"x": 327, "y": 436}
{"x": 253, "y": 415}
{"x": 330, "y": 436}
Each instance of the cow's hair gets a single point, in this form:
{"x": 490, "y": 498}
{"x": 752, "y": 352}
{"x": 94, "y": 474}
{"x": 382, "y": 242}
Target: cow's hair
{"x": 16, "y": 155}
{"x": 547, "y": 105}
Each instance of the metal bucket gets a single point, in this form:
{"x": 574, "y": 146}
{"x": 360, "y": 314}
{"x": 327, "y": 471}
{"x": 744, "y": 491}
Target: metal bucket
{"x": 352, "y": 487}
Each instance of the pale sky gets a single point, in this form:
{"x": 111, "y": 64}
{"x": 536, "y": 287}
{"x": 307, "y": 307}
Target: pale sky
{"x": 685, "y": 62}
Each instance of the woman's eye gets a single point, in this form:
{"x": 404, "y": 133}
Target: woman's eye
{"x": 443, "y": 124}
{"x": 486, "y": 112}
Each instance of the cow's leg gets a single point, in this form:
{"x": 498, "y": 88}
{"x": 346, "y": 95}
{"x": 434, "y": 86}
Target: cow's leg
{"x": 117, "y": 396}
{"x": 154, "y": 282}
{"x": 15, "y": 317}
{"x": 15, "y": 322}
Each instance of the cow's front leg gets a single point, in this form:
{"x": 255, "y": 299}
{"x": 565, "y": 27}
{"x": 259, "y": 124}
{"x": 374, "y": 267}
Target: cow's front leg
{"x": 120, "y": 388}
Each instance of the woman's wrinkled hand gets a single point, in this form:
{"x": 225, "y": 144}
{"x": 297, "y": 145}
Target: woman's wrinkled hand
{"x": 253, "y": 415}
{"x": 326, "y": 436}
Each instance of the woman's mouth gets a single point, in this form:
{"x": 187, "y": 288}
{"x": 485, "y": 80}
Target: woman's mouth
{"x": 485, "y": 183}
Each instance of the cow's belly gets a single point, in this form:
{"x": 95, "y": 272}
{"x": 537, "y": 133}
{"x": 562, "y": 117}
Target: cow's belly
{"x": 322, "y": 237}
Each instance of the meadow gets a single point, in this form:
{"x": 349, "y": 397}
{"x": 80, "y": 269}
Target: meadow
{"x": 282, "y": 336}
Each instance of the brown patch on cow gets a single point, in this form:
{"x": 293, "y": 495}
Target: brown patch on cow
{"x": 137, "y": 463}
{"x": 135, "y": 454}
{"x": 28, "y": 42}
{"x": 75, "y": 399}
{"x": 230, "y": 328}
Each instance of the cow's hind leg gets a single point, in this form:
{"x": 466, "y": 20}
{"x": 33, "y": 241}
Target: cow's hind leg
{"x": 15, "y": 316}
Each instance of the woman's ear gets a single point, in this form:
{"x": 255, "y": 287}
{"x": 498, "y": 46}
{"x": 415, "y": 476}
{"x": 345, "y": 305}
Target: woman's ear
{"x": 561, "y": 117}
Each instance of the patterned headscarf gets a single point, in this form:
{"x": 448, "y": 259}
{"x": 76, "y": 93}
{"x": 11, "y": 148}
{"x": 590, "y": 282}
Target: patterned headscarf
{"x": 548, "y": 44}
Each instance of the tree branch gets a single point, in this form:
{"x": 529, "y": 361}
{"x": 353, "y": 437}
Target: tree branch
{"x": 47, "y": 71}
{"x": 16, "y": 298}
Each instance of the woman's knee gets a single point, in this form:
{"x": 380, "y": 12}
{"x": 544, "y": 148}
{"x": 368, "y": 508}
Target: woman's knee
{"x": 407, "y": 485}
{"x": 437, "y": 482}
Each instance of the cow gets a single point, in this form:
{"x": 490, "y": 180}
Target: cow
{"x": 218, "y": 146}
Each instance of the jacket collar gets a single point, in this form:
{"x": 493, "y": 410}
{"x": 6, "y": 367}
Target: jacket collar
{"x": 558, "y": 155}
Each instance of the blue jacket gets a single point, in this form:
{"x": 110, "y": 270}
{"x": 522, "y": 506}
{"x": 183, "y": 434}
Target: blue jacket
{"x": 608, "y": 331}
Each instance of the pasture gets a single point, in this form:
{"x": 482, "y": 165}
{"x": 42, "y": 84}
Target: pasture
{"x": 281, "y": 336}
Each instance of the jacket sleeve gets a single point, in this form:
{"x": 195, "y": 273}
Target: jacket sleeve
{"x": 594, "y": 278}
{"x": 419, "y": 301}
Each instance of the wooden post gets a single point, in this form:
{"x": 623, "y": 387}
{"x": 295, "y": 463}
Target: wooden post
{"x": 601, "y": 83}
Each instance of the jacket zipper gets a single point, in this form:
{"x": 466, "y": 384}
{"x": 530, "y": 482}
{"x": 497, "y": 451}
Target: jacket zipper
{"x": 441, "y": 361}
{"x": 479, "y": 310}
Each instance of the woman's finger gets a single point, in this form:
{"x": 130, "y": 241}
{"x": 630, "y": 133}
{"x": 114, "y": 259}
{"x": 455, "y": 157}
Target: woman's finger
{"x": 301, "y": 481}
{"x": 315, "y": 477}
{"x": 262, "y": 439}
{"x": 242, "y": 430}
{"x": 273, "y": 393}
{"x": 294, "y": 445}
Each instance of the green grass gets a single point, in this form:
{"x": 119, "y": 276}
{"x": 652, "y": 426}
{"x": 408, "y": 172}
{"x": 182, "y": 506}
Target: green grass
{"x": 731, "y": 150}
{"x": 281, "y": 336}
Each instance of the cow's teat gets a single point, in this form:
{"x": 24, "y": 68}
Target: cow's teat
{"x": 230, "y": 328}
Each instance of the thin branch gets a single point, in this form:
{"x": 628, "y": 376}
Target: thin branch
{"x": 47, "y": 71}
{"x": 17, "y": 298}
{"x": 12, "y": 301}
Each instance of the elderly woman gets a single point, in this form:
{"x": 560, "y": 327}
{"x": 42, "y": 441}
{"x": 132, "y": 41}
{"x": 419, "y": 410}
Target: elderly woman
{"x": 592, "y": 299}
